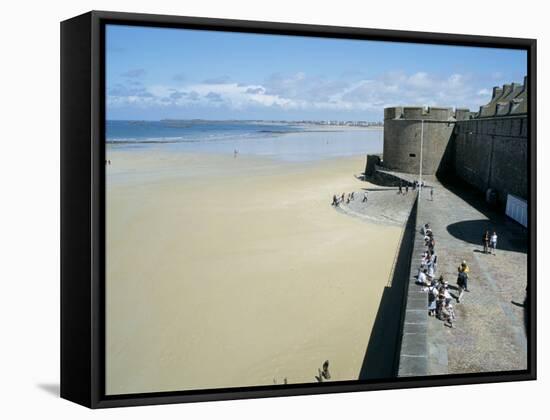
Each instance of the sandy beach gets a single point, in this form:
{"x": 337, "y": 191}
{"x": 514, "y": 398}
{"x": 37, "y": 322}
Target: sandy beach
{"x": 226, "y": 272}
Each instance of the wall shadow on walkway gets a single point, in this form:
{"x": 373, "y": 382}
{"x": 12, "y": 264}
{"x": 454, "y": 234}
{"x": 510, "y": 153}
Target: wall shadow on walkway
{"x": 472, "y": 231}
{"x": 382, "y": 353}
{"x": 511, "y": 235}
{"x": 382, "y": 179}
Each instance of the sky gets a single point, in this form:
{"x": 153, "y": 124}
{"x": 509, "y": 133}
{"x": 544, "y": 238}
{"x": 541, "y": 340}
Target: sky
{"x": 157, "y": 73}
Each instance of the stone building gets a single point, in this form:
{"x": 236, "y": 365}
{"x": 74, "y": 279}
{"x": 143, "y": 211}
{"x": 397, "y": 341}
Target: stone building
{"x": 488, "y": 149}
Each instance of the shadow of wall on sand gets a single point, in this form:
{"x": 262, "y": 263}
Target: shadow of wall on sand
{"x": 382, "y": 354}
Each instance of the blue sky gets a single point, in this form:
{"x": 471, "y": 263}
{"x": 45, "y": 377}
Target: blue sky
{"x": 155, "y": 73}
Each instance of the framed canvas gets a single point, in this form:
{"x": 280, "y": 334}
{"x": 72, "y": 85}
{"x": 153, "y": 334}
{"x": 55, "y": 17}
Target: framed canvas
{"x": 258, "y": 209}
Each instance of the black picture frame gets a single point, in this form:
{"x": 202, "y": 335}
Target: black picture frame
{"x": 83, "y": 199}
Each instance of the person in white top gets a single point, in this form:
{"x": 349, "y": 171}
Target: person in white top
{"x": 493, "y": 243}
{"x": 422, "y": 279}
{"x": 430, "y": 269}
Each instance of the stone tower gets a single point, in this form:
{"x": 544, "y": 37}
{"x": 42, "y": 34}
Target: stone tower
{"x": 403, "y": 127}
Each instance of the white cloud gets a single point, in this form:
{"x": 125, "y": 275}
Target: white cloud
{"x": 301, "y": 92}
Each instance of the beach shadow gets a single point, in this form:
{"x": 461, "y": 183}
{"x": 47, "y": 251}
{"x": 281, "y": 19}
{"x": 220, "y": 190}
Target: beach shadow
{"x": 472, "y": 230}
{"x": 52, "y": 389}
{"x": 382, "y": 353}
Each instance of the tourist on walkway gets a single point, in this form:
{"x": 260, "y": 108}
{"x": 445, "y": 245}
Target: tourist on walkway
{"x": 462, "y": 283}
{"x": 463, "y": 267}
{"x": 486, "y": 239}
{"x": 430, "y": 268}
{"x": 442, "y": 283}
{"x": 428, "y": 238}
{"x": 433, "y": 258}
{"x": 406, "y": 189}
{"x": 431, "y": 245}
{"x": 432, "y": 299}
{"x": 447, "y": 294}
{"x": 422, "y": 278}
{"x": 493, "y": 243}
{"x": 342, "y": 197}
{"x": 440, "y": 301}
{"x": 448, "y": 314}
{"x": 426, "y": 229}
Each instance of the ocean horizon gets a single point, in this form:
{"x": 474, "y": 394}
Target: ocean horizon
{"x": 289, "y": 141}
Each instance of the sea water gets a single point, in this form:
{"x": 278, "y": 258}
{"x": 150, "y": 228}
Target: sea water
{"x": 278, "y": 140}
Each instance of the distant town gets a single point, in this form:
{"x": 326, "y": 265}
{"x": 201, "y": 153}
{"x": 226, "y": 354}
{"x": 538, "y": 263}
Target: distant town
{"x": 350, "y": 123}
{"x": 342, "y": 123}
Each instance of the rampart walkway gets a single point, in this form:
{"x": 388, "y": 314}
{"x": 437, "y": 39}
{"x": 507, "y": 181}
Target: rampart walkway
{"x": 489, "y": 332}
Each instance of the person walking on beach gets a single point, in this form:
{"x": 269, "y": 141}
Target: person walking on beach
{"x": 365, "y": 198}
{"x": 493, "y": 243}
{"x": 406, "y": 189}
{"x": 432, "y": 194}
{"x": 335, "y": 200}
{"x": 235, "y": 153}
{"x": 486, "y": 238}
{"x": 400, "y": 189}
{"x": 352, "y": 196}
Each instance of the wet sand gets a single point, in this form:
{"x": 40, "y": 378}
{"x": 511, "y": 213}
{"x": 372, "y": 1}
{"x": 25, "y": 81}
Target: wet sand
{"x": 226, "y": 272}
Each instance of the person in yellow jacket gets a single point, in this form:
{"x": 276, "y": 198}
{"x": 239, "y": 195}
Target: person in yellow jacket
{"x": 463, "y": 267}
{"x": 462, "y": 280}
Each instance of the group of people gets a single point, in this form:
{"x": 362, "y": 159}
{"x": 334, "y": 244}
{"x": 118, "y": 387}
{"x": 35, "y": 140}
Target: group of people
{"x": 404, "y": 189}
{"x": 490, "y": 242}
{"x": 439, "y": 297}
{"x": 339, "y": 199}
